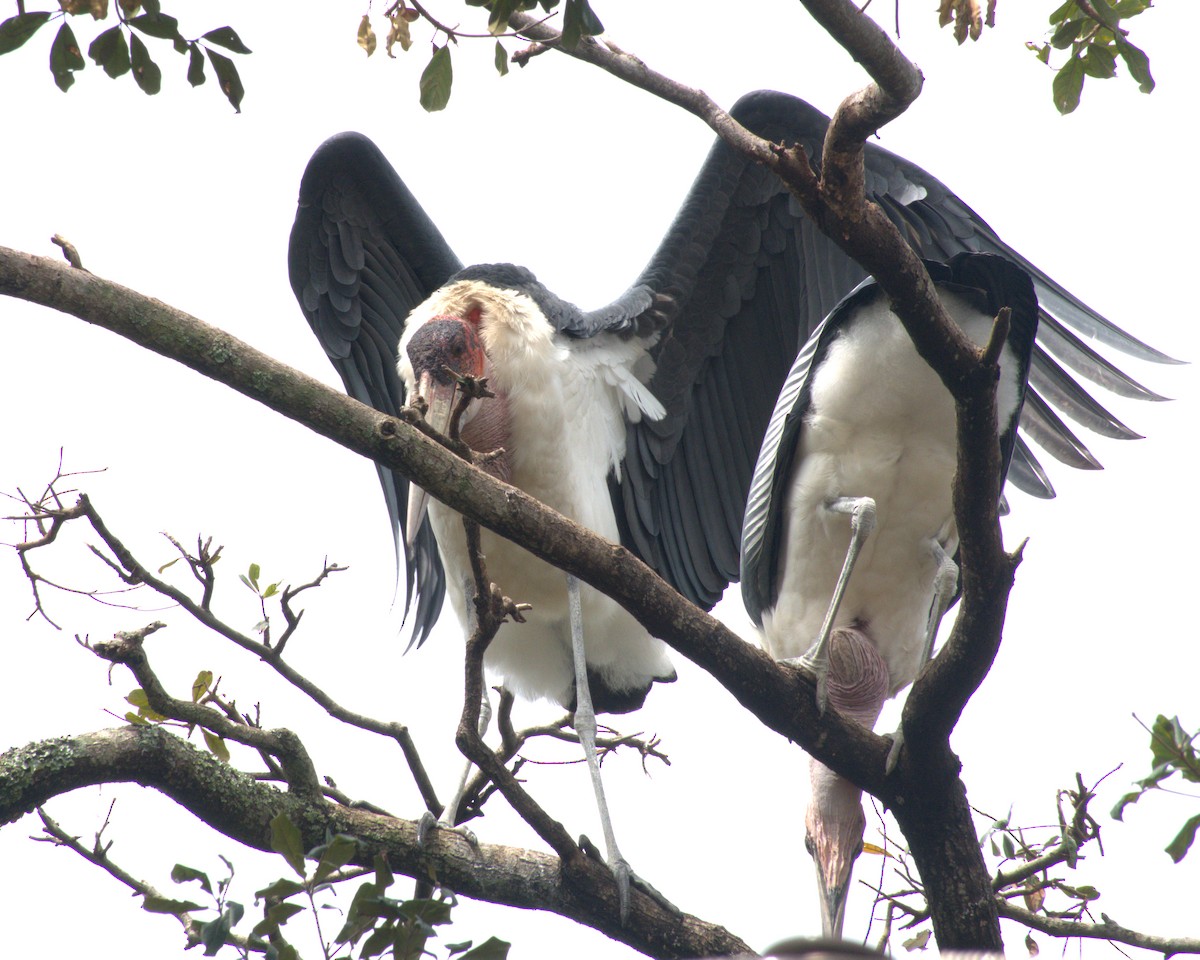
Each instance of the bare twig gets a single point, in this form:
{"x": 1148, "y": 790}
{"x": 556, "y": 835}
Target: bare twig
{"x": 1107, "y": 929}
{"x": 133, "y": 572}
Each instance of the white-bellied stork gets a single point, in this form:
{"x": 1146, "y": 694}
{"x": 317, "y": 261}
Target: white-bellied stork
{"x": 642, "y": 419}
{"x": 850, "y": 531}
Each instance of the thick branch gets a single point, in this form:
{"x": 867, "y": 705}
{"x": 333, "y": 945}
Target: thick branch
{"x": 241, "y": 808}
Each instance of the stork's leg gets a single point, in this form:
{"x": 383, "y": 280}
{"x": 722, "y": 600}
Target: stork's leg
{"x": 585, "y": 727}
{"x": 945, "y": 583}
{"x": 862, "y": 522}
{"x": 450, "y": 811}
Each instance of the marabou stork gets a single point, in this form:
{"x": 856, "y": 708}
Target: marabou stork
{"x": 642, "y": 419}
{"x": 849, "y": 532}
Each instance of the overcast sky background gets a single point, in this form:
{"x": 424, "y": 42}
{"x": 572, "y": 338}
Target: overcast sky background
{"x": 576, "y": 175}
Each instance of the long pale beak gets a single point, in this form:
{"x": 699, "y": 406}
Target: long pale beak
{"x": 833, "y": 905}
{"x": 440, "y": 398}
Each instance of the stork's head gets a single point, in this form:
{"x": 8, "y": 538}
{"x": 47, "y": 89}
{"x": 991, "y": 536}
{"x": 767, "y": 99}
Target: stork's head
{"x": 442, "y": 351}
{"x": 835, "y": 824}
{"x": 858, "y": 684}
{"x": 484, "y": 323}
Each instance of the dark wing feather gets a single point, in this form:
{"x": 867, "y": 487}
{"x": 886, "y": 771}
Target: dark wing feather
{"x": 740, "y": 281}
{"x": 362, "y": 254}
{"x": 988, "y": 279}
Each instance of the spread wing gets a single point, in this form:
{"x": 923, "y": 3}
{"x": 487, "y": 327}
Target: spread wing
{"x": 740, "y": 282}
{"x": 362, "y": 254}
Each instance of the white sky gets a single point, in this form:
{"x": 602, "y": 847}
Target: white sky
{"x": 576, "y": 175}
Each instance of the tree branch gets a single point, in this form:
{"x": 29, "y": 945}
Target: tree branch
{"x": 1107, "y": 929}
{"x": 242, "y": 809}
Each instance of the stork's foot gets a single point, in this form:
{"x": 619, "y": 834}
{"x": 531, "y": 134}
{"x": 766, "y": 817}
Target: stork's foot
{"x": 428, "y": 823}
{"x": 626, "y": 878}
{"x": 818, "y": 666}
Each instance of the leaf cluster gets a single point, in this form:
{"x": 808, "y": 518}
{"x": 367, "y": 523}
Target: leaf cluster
{"x": 203, "y": 689}
{"x": 579, "y": 21}
{"x": 121, "y": 48}
{"x": 1091, "y": 30}
{"x": 1173, "y": 751}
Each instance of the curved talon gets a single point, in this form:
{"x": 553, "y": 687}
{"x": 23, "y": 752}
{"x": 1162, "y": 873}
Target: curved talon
{"x": 626, "y": 879}
{"x": 424, "y": 828}
{"x": 818, "y": 666}
{"x": 893, "y": 756}
{"x": 622, "y": 875}
{"x": 650, "y": 891}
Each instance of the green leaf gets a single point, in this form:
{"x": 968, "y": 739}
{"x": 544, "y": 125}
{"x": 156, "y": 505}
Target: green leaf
{"x": 282, "y": 912}
{"x": 280, "y": 888}
{"x": 169, "y": 563}
{"x": 432, "y": 912}
{"x": 1064, "y": 11}
{"x": 337, "y": 853}
{"x": 379, "y": 941}
{"x": 359, "y": 917}
{"x": 1131, "y": 8}
{"x": 436, "y": 81}
{"x": 277, "y": 915}
{"x": 490, "y": 949}
{"x": 1139, "y": 68}
{"x": 65, "y": 58}
{"x": 383, "y": 873}
{"x": 183, "y": 874}
{"x": 229, "y": 81}
{"x": 146, "y": 72}
{"x": 1099, "y": 62}
{"x": 1065, "y": 35}
{"x": 109, "y": 51}
{"x": 201, "y": 685}
{"x": 271, "y": 590}
{"x": 579, "y": 21}
{"x": 409, "y": 941}
{"x": 214, "y": 933}
{"x": 225, "y": 37}
{"x": 1179, "y": 847}
{"x": 1068, "y": 85}
{"x": 138, "y": 698}
{"x": 16, "y": 30}
{"x": 165, "y": 905}
{"x": 216, "y": 745}
{"x": 255, "y": 573}
{"x": 156, "y": 25}
{"x": 501, "y": 59}
{"x": 1119, "y": 810}
{"x": 285, "y": 840}
{"x": 1108, "y": 16}
{"x": 195, "y": 73}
